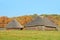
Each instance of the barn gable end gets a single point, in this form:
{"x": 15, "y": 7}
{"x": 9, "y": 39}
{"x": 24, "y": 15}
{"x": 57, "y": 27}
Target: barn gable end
{"x": 14, "y": 24}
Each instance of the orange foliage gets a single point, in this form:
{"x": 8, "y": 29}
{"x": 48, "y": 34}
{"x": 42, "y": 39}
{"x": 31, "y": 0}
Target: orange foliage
{"x": 55, "y": 19}
{"x": 4, "y": 21}
{"x": 25, "y": 19}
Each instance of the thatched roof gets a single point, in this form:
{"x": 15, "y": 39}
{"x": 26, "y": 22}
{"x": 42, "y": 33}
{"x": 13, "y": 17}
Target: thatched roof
{"x": 48, "y": 22}
{"x": 36, "y": 21}
{"x": 39, "y": 21}
{"x": 14, "y": 24}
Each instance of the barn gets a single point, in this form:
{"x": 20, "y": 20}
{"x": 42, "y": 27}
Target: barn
{"x": 14, "y": 24}
{"x": 35, "y": 24}
{"x": 41, "y": 23}
{"x": 49, "y": 25}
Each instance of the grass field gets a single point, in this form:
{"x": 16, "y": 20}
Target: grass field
{"x": 29, "y": 35}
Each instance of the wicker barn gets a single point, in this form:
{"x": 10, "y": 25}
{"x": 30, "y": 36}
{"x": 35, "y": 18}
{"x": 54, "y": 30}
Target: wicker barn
{"x": 49, "y": 25}
{"x": 41, "y": 23}
{"x": 14, "y": 24}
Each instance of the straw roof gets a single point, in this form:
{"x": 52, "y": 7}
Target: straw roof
{"x": 36, "y": 21}
{"x": 14, "y": 24}
{"x": 48, "y": 22}
{"x": 39, "y": 21}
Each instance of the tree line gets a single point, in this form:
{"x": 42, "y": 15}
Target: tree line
{"x": 4, "y": 20}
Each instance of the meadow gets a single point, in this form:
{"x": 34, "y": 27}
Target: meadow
{"x": 29, "y": 35}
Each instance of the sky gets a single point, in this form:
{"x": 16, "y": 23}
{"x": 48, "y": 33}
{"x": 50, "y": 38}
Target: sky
{"x": 12, "y": 8}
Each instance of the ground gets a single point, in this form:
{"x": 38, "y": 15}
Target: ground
{"x": 29, "y": 35}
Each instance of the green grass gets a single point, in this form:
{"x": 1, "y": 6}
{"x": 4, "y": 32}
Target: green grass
{"x": 29, "y": 35}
